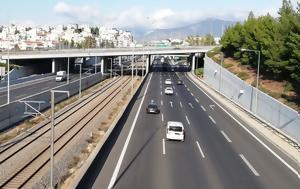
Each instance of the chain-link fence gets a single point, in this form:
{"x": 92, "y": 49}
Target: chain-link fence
{"x": 265, "y": 107}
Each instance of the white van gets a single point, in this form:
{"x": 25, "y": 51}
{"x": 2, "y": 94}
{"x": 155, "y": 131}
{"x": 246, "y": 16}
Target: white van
{"x": 175, "y": 131}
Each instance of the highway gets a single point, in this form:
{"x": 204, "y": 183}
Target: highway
{"x": 218, "y": 152}
{"x": 23, "y": 90}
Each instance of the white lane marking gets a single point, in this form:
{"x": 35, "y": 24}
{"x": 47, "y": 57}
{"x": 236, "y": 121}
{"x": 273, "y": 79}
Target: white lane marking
{"x": 160, "y": 92}
{"x": 212, "y": 106}
{"x": 197, "y": 100}
{"x": 161, "y": 102}
{"x": 249, "y": 165}
{"x": 180, "y": 104}
{"x": 21, "y": 96}
{"x": 191, "y": 105}
{"x": 118, "y": 166}
{"x": 187, "y": 120}
{"x": 171, "y": 103}
{"x": 188, "y": 89}
{"x": 164, "y": 146}
{"x": 199, "y": 147}
{"x": 46, "y": 88}
{"x": 250, "y": 133}
{"x": 203, "y": 108}
{"x": 226, "y": 137}
{"x": 192, "y": 94}
{"x": 212, "y": 119}
{"x": 176, "y": 94}
{"x": 162, "y": 117}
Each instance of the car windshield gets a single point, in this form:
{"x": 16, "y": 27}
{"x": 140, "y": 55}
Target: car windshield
{"x": 175, "y": 128}
{"x": 152, "y": 106}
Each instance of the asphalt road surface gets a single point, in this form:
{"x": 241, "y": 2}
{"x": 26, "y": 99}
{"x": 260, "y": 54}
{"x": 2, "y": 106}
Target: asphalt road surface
{"x": 29, "y": 88}
{"x": 217, "y": 153}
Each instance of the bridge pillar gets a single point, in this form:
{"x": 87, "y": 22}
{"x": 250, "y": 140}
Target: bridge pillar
{"x": 53, "y": 65}
{"x": 147, "y": 64}
{"x": 120, "y": 60}
{"x": 102, "y": 65}
{"x": 193, "y": 63}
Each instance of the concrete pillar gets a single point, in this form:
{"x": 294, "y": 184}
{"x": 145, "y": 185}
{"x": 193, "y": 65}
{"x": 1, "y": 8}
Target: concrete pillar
{"x": 193, "y": 63}
{"x": 120, "y": 60}
{"x": 147, "y": 64}
{"x": 102, "y": 65}
{"x": 53, "y": 66}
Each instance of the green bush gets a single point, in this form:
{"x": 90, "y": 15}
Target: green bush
{"x": 199, "y": 72}
{"x": 243, "y": 75}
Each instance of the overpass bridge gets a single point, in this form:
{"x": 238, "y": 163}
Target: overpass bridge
{"x": 57, "y": 59}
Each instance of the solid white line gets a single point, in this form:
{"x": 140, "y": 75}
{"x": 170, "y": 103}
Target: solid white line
{"x": 162, "y": 117}
{"x": 187, "y": 120}
{"x": 197, "y": 100}
{"x": 180, "y": 104}
{"x": 212, "y": 119}
{"x": 164, "y": 146}
{"x": 202, "y": 154}
{"x": 191, "y": 105}
{"x": 192, "y": 94}
{"x": 249, "y": 165}
{"x": 250, "y": 133}
{"x": 226, "y": 137}
{"x": 203, "y": 108}
{"x": 118, "y": 166}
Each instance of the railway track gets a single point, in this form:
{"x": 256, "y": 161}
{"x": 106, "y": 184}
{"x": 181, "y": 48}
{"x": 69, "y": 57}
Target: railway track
{"x": 22, "y": 142}
{"x": 39, "y": 160}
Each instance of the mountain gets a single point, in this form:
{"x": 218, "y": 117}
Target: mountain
{"x": 213, "y": 26}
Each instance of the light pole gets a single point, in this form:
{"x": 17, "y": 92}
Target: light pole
{"x": 222, "y": 59}
{"x": 257, "y": 75}
{"x": 8, "y": 70}
{"x": 111, "y": 60}
{"x": 132, "y": 62}
{"x": 80, "y": 67}
{"x": 68, "y": 70}
{"x": 52, "y": 134}
{"x": 95, "y": 64}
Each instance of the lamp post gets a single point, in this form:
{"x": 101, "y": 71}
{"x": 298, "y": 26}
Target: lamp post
{"x": 257, "y": 75}
{"x": 68, "y": 70}
{"x": 52, "y": 134}
{"x": 222, "y": 59}
{"x": 95, "y": 64}
{"x": 132, "y": 62}
{"x": 80, "y": 67}
{"x": 8, "y": 70}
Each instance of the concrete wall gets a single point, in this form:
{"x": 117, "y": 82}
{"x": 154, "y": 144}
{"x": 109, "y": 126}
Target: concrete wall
{"x": 273, "y": 112}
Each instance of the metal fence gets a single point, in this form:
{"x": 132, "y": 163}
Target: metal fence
{"x": 13, "y": 113}
{"x": 276, "y": 114}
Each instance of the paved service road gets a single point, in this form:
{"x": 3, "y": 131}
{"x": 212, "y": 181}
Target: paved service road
{"x": 26, "y": 89}
{"x": 217, "y": 152}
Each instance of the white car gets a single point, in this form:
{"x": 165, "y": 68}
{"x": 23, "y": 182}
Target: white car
{"x": 169, "y": 91}
{"x": 168, "y": 82}
{"x": 175, "y": 131}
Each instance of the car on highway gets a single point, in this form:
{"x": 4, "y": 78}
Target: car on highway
{"x": 61, "y": 76}
{"x": 152, "y": 108}
{"x": 175, "y": 131}
{"x": 179, "y": 82}
{"x": 168, "y": 82}
{"x": 169, "y": 91}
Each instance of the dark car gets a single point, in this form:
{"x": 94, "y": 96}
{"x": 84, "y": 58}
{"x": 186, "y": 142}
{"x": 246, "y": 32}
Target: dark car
{"x": 179, "y": 82}
{"x": 152, "y": 109}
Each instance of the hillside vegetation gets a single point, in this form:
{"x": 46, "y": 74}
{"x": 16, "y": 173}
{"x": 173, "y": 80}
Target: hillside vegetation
{"x": 278, "y": 40}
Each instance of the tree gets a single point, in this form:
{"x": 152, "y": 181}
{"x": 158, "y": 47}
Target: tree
{"x": 89, "y": 42}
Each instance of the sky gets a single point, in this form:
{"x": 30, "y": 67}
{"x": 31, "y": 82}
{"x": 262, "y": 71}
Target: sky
{"x": 151, "y": 14}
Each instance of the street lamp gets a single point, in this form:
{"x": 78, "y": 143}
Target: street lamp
{"x": 80, "y": 67}
{"x": 52, "y": 134}
{"x": 8, "y": 70}
{"x": 68, "y": 70}
{"x": 132, "y": 62}
{"x": 257, "y": 75}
